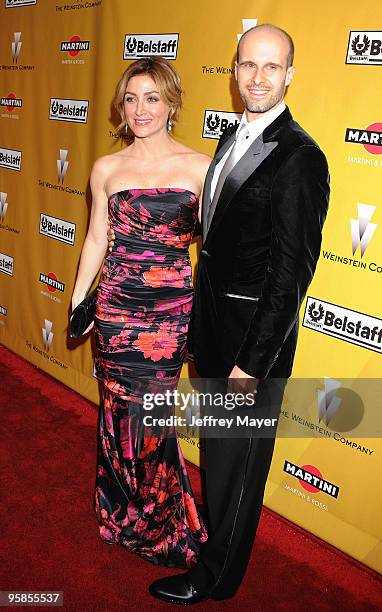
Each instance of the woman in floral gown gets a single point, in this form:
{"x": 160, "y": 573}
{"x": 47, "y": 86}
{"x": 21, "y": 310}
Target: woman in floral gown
{"x": 150, "y": 193}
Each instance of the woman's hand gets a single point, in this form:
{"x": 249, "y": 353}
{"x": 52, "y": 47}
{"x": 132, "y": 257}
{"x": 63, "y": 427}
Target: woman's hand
{"x": 110, "y": 236}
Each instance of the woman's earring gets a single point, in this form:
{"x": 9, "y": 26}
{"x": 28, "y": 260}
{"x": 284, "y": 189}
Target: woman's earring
{"x": 126, "y": 129}
{"x": 169, "y": 125}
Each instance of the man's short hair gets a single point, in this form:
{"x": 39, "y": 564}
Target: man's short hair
{"x": 270, "y": 26}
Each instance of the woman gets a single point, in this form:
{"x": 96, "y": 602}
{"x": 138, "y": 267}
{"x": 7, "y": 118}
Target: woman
{"x": 150, "y": 191}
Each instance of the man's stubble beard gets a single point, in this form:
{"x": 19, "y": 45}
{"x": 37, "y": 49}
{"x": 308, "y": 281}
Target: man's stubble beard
{"x": 267, "y": 104}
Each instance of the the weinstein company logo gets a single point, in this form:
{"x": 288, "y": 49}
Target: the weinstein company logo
{"x": 47, "y": 335}
{"x": 343, "y": 323}
{"x": 216, "y": 122}
{"x": 16, "y": 46}
{"x": 62, "y": 165}
{"x": 362, "y": 230}
{"x": 364, "y": 47}
{"x": 143, "y": 45}
{"x": 328, "y": 402}
{"x": 75, "y": 111}
{"x": 247, "y": 25}
{"x": 3, "y": 205}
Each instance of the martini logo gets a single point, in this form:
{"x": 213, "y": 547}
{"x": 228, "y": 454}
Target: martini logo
{"x": 216, "y": 122}
{"x": 14, "y": 3}
{"x": 3, "y": 311}
{"x": 364, "y": 47}
{"x": 362, "y": 230}
{"x": 75, "y": 111}
{"x": 47, "y": 334}
{"x": 62, "y": 165}
{"x": 371, "y": 138}
{"x": 74, "y": 46}
{"x": 52, "y": 282}
{"x": 143, "y": 45}
{"x": 3, "y": 206}
{"x": 343, "y": 323}
{"x": 11, "y": 102}
{"x": 6, "y": 264}
{"x": 311, "y": 479}
{"x": 10, "y": 159}
{"x": 16, "y": 46}
{"x": 58, "y": 229}
{"x": 247, "y": 25}
{"x": 328, "y": 402}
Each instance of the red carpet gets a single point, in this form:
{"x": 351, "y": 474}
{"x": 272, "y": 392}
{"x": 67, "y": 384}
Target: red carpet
{"x": 49, "y": 535}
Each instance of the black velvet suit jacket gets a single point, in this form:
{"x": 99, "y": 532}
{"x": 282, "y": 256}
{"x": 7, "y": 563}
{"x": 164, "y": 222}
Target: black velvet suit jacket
{"x": 259, "y": 253}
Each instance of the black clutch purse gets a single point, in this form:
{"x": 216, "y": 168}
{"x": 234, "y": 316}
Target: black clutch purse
{"x": 83, "y": 315}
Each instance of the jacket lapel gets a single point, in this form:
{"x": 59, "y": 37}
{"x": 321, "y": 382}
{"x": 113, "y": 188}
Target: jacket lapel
{"x": 207, "y": 183}
{"x": 251, "y": 160}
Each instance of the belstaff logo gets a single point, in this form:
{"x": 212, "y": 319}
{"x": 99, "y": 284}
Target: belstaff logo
{"x": 143, "y": 45}
{"x": 216, "y": 122}
{"x": 370, "y": 138}
{"x": 362, "y": 230}
{"x": 328, "y": 402}
{"x": 16, "y": 46}
{"x": 3, "y": 205}
{"x": 10, "y": 159}
{"x": 311, "y": 479}
{"x": 15, "y": 3}
{"x": 6, "y": 264}
{"x": 11, "y": 102}
{"x": 47, "y": 334}
{"x": 74, "y": 45}
{"x": 58, "y": 229}
{"x": 316, "y": 312}
{"x": 62, "y": 165}
{"x": 345, "y": 324}
{"x": 75, "y": 111}
{"x": 364, "y": 47}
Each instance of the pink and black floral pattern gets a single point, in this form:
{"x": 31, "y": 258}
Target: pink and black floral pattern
{"x": 143, "y": 497}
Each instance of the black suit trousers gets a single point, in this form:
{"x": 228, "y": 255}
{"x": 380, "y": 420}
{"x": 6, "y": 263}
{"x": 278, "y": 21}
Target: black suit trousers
{"x": 236, "y": 473}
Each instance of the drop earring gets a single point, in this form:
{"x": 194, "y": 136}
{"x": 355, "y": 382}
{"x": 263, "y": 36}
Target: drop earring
{"x": 169, "y": 125}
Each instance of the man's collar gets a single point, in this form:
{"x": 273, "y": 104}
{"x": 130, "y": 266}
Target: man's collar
{"x": 257, "y": 127}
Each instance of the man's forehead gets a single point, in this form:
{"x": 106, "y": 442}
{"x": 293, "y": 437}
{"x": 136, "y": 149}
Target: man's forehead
{"x": 263, "y": 42}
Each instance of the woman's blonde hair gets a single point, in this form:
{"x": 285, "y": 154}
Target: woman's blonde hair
{"x": 165, "y": 78}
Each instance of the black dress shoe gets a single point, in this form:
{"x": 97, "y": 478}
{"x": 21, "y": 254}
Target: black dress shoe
{"x": 176, "y": 589}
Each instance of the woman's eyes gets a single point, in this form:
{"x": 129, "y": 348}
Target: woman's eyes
{"x": 151, "y": 99}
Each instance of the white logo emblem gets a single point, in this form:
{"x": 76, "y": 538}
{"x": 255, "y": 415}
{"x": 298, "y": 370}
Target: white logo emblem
{"x": 62, "y": 165}
{"x": 365, "y": 47}
{"x": 247, "y": 25}
{"x": 328, "y": 402}
{"x": 3, "y": 205}
{"x": 362, "y": 230}
{"x": 47, "y": 334}
{"x": 16, "y": 46}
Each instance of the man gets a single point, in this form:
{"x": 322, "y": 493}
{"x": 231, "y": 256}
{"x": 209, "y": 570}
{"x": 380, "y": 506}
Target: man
{"x": 265, "y": 202}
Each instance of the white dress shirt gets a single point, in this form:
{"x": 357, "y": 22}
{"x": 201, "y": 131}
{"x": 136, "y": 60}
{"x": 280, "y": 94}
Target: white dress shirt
{"x": 255, "y": 128}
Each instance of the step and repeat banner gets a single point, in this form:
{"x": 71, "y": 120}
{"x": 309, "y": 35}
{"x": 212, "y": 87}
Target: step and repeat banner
{"x": 59, "y": 63}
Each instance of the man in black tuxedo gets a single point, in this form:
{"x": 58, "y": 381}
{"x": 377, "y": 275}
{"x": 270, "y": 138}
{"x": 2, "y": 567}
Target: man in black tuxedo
{"x": 264, "y": 205}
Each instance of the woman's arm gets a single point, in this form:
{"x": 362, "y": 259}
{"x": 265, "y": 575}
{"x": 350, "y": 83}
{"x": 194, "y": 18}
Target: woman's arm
{"x": 95, "y": 244}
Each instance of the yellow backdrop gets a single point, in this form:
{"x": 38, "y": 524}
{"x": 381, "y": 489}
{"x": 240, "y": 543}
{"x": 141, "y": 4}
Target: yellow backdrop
{"x": 59, "y": 62}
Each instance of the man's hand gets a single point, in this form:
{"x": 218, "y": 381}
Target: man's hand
{"x": 241, "y": 382}
{"x": 110, "y": 236}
